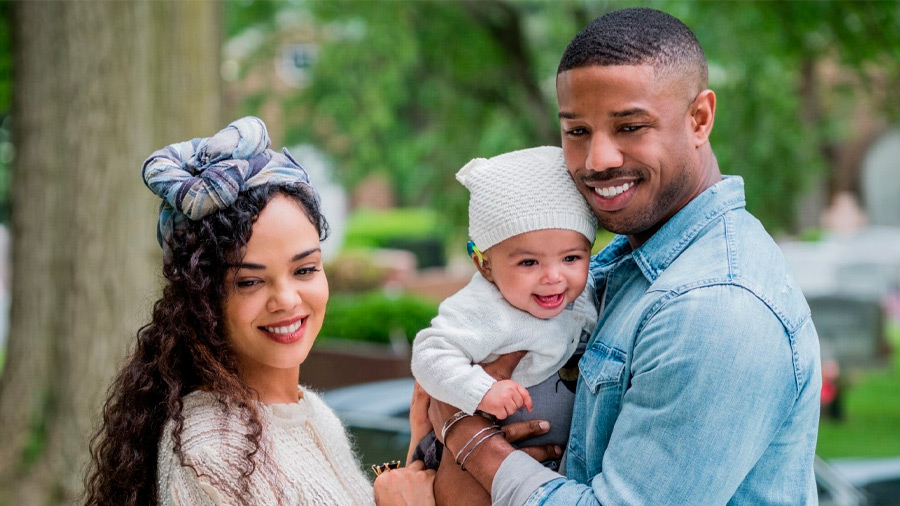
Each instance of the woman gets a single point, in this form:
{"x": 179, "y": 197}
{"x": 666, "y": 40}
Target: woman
{"x": 207, "y": 410}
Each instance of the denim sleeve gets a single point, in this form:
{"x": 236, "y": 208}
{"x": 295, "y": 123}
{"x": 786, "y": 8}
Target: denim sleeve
{"x": 711, "y": 383}
{"x": 517, "y": 479}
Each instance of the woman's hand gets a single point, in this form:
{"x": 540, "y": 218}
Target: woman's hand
{"x": 419, "y": 423}
{"x": 407, "y": 486}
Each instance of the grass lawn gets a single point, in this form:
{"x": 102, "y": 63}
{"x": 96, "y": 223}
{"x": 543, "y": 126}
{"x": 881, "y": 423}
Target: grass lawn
{"x": 871, "y": 425}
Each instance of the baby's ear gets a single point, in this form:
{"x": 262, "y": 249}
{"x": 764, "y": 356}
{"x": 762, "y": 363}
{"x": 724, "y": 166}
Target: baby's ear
{"x": 483, "y": 264}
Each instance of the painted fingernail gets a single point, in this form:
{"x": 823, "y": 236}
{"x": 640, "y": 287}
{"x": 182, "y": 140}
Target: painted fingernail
{"x": 544, "y": 425}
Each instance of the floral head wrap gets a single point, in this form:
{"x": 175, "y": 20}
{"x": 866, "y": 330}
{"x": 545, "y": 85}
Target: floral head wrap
{"x": 199, "y": 177}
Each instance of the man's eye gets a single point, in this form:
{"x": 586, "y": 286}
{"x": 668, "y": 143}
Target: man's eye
{"x": 632, "y": 128}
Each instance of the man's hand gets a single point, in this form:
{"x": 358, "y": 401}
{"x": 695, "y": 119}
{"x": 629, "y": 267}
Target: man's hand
{"x": 503, "y": 367}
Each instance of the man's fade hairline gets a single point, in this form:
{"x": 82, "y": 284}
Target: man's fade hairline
{"x": 638, "y": 36}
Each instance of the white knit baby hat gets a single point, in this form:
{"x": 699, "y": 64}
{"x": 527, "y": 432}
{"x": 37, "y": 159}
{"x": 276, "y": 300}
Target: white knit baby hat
{"x": 523, "y": 191}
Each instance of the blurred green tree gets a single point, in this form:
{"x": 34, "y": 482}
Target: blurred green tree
{"x": 416, "y": 89}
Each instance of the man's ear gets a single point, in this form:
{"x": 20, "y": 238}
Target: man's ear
{"x": 703, "y": 114}
{"x": 484, "y": 266}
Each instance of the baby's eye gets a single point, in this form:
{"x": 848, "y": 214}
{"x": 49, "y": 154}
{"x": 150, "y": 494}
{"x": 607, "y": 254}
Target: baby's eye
{"x": 571, "y": 258}
{"x": 528, "y": 263}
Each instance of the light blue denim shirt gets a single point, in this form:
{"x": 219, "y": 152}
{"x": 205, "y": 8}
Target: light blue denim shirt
{"x": 701, "y": 383}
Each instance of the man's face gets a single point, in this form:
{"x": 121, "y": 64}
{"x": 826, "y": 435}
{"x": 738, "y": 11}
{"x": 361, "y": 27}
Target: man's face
{"x": 628, "y": 143}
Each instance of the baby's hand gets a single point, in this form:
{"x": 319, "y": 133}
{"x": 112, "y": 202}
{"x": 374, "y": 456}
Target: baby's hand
{"x": 504, "y": 398}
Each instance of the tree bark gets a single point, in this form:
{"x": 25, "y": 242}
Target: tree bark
{"x": 98, "y": 86}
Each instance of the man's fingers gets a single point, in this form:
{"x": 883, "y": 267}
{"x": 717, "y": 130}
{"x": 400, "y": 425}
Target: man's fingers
{"x": 541, "y": 453}
{"x": 523, "y": 430}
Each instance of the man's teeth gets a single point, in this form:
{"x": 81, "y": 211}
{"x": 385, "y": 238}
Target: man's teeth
{"x": 289, "y": 329}
{"x": 612, "y": 191}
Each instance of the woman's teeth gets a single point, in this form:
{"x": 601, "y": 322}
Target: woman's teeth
{"x": 289, "y": 329}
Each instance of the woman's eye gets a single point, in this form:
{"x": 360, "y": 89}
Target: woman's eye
{"x": 306, "y": 271}
{"x": 575, "y": 132}
{"x": 247, "y": 283}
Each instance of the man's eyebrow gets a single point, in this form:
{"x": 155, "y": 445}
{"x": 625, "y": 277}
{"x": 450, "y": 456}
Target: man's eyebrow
{"x": 259, "y": 267}
{"x": 635, "y": 111}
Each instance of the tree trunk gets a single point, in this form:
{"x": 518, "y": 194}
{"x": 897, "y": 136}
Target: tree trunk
{"x": 98, "y": 86}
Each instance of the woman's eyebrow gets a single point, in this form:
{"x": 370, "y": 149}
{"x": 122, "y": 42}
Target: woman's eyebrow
{"x": 260, "y": 267}
{"x": 301, "y": 256}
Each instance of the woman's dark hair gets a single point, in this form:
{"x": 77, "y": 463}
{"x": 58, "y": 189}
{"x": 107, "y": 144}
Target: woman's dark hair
{"x": 182, "y": 349}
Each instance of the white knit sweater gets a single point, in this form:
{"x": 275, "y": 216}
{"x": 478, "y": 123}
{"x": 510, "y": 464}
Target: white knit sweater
{"x": 305, "y": 457}
{"x": 476, "y": 324}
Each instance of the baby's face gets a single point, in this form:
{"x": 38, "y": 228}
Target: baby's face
{"x": 540, "y": 272}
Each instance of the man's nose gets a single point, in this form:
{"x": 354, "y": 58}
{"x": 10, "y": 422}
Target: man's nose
{"x": 603, "y": 153}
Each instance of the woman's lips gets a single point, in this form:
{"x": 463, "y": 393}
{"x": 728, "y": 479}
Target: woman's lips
{"x": 287, "y": 331}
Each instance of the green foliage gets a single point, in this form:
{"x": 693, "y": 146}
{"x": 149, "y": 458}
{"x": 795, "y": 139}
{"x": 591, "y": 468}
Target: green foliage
{"x": 374, "y": 228}
{"x": 416, "y": 89}
{"x": 412, "y": 229}
{"x": 6, "y": 88}
{"x": 872, "y": 407}
{"x": 354, "y": 272}
{"x": 376, "y": 316}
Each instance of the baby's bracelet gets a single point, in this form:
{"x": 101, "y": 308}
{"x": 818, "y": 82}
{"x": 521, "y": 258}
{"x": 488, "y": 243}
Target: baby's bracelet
{"x": 462, "y": 465}
{"x": 482, "y": 431}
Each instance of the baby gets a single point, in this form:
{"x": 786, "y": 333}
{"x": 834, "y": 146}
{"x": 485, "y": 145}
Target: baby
{"x": 531, "y": 237}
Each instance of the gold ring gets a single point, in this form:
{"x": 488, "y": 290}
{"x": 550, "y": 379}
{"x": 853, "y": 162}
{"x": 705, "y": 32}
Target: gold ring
{"x": 383, "y": 468}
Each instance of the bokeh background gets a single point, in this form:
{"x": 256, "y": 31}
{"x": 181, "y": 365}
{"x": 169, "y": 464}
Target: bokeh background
{"x": 383, "y": 101}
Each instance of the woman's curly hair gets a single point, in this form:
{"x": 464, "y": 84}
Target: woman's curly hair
{"x": 182, "y": 349}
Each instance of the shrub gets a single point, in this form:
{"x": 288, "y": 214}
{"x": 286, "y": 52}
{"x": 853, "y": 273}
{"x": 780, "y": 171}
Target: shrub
{"x": 354, "y": 272}
{"x": 375, "y": 316}
{"x": 415, "y": 229}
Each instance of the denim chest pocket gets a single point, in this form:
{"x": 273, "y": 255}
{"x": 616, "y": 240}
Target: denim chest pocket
{"x": 597, "y": 405}
{"x": 601, "y": 366}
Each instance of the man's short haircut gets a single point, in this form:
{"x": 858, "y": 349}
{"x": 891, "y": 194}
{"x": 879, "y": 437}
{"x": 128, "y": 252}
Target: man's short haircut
{"x": 638, "y": 36}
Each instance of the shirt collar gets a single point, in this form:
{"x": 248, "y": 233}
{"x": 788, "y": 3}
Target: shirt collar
{"x": 655, "y": 255}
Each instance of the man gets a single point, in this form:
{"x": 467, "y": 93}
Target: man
{"x": 701, "y": 383}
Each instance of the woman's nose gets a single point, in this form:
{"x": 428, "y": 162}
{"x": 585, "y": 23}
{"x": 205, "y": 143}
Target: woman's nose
{"x": 284, "y": 296}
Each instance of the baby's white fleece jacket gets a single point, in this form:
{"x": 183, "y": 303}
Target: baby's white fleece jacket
{"x": 476, "y": 325}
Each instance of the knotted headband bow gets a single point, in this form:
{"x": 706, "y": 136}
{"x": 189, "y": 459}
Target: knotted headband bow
{"x": 199, "y": 177}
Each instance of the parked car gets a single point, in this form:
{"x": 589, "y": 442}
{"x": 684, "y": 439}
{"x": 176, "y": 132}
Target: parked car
{"x": 377, "y": 416}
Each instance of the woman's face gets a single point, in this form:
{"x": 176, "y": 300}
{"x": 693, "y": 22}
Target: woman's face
{"x": 276, "y": 296}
